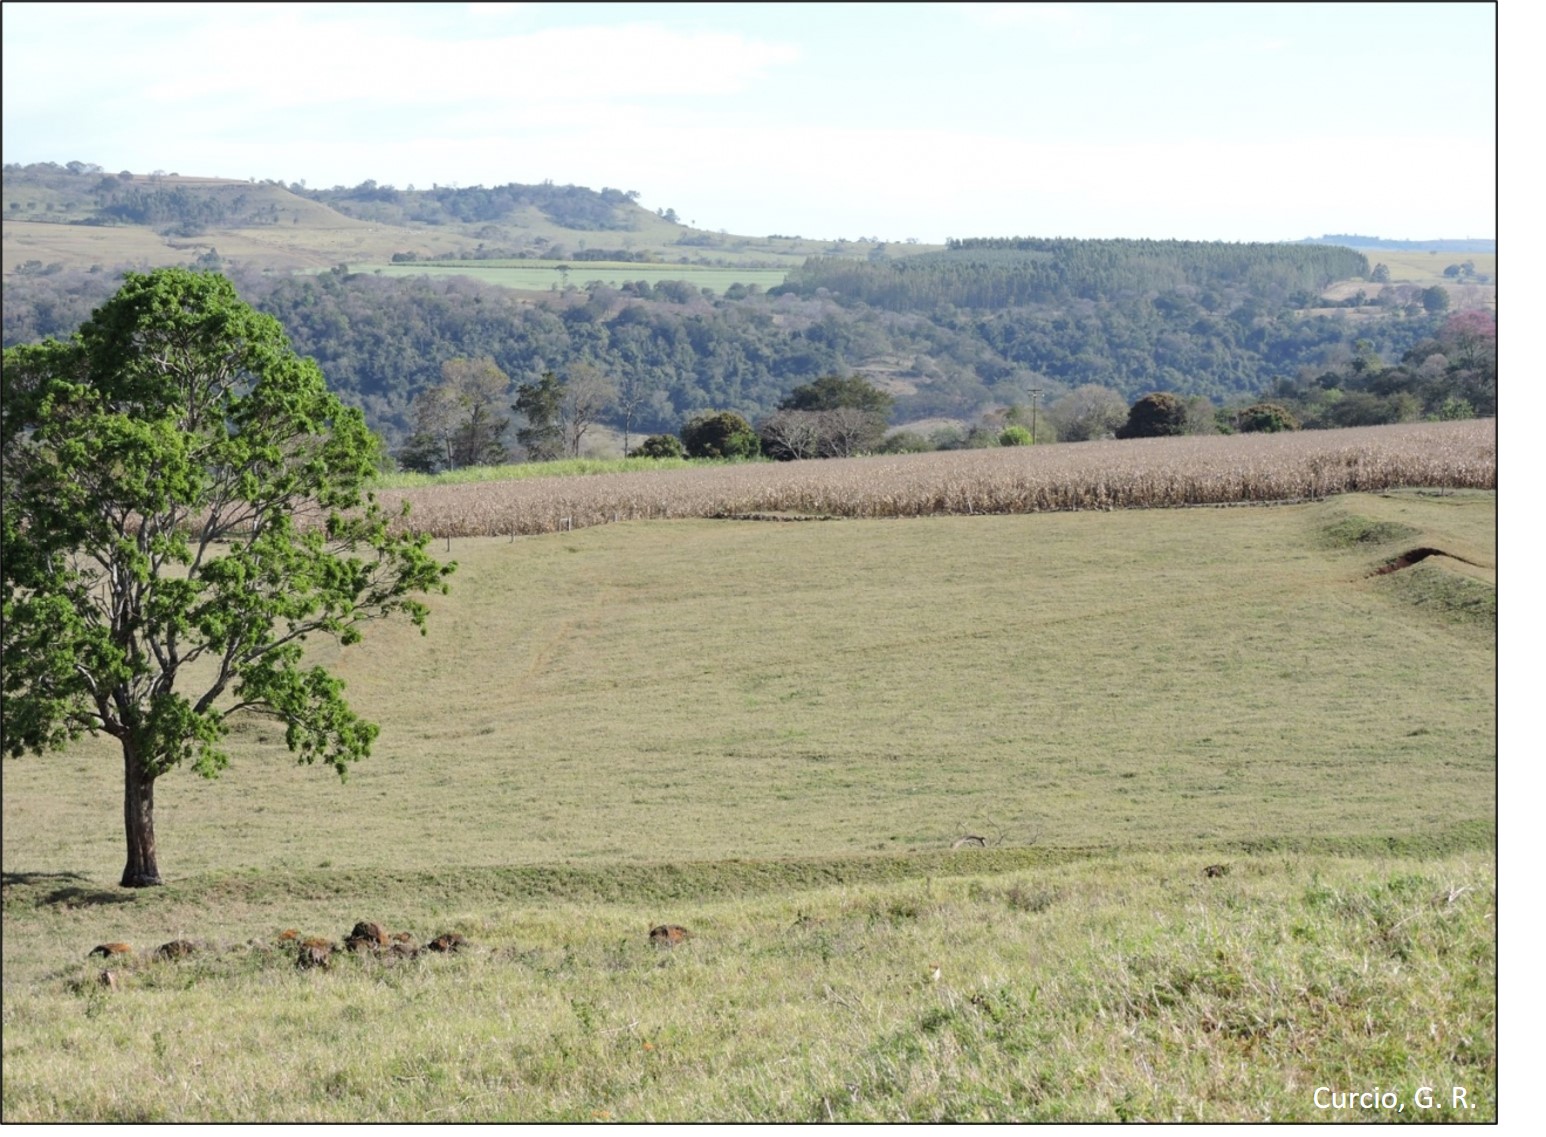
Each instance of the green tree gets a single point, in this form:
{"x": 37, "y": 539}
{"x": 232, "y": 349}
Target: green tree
{"x": 1155, "y": 416}
{"x": 660, "y": 446}
{"x": 183, "y": 508}
{"x": 475, "y": 389}
{"x": 1268, "y": 418}
{"x": 833, "y": 391}
{"x": 1015, "y": 435}
{"x": 541, "y": 403}
{"x": 1436, "y": 299}
{"x": 720, "y": 434}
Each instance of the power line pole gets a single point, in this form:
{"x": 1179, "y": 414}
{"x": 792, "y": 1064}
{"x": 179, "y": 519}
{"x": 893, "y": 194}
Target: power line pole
{"x": 1035, "y": 391}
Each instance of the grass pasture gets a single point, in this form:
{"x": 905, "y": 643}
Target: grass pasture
{"x": 544, "y": 275}
{"x": 773, "y": 734}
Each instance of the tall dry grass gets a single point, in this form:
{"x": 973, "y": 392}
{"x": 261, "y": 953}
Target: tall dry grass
{"x": 1138, "y": 474}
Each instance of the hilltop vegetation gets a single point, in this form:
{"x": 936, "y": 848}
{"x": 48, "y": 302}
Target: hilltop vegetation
{"x": 958, "y": 333}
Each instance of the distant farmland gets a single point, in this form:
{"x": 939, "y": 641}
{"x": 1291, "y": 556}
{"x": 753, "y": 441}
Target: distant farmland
{"x": 547, "y": 275}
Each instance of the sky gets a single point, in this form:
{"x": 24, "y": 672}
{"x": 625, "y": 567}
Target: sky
{"x": 1196, "y": 121}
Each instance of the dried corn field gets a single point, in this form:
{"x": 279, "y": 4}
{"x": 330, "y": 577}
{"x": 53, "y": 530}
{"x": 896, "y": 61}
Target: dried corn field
{"x": 1137, "y": 474}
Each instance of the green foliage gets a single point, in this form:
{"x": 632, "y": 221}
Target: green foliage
{"x": 832, "y": 391}
{"x": 159, "y": 571}
{"x": 720, "y": 434}
{"x": 1436, "y": 299}
{"x": 660, "y": 446}
{"x": 1155, "y": 416}
{"x": 905, "y": 442}
{"x": 1265, "y": 417}
{"x": 381, "y": 341}
{"x": 1010, "y": 272}
{"x": 541, "y": 403}
{"x": 1015, "y": 435}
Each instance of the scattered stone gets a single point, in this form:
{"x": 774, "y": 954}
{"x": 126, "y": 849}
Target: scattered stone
{"x": 108, "y": 951}
{"x": 449, "y": 941}
{"x": 669, "y": 935}
{"x": 1216, "y": 870}
{"x": 176, "y": 949}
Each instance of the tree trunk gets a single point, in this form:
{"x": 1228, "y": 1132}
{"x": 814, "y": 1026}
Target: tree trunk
{"x": 139, "y": 822}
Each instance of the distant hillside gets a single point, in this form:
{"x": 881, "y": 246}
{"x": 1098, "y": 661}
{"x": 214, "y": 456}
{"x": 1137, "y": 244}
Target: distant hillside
{"x": 77, "y": 215}
{"x": 954, "y": 333}
{"x": 1445, "y": 245}
{"x": 1014, "y": 272}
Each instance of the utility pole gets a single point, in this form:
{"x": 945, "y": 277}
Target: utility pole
{"x": 1035, "y": 391}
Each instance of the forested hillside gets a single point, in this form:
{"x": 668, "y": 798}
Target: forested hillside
{"x": 951, "y": 333}
{"x": 382, "y": 340}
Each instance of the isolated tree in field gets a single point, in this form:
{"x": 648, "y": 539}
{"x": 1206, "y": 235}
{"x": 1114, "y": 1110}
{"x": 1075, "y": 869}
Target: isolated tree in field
{"x": 183, "y": 507}
{"x": 541, "y": 404}
{"x": 1155, "y": 416}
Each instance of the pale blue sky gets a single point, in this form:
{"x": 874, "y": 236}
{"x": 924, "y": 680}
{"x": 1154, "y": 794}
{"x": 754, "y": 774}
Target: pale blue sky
{"x": 1207, "y": 121}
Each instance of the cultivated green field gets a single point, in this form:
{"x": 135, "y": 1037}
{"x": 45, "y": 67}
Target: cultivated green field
{"x": 543, "y": 276}
{"x": 774, "y": 734}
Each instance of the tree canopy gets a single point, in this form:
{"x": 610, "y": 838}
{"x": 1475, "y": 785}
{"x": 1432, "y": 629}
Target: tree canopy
{"x": 184, "y": 506}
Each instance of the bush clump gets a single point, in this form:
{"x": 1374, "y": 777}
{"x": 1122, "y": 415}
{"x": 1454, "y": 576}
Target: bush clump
{"x": 1155, "y": 416}
{"x": 1266, "y": 418}
{"x": 659, "y": 446}
{"x": 720, "y": 434}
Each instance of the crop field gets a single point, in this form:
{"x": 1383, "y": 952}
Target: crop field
{"x": 544, "y": 276}
{"x": 1070, "y": 815}
{"x": 1148, "y": 473}
{"x": 1419, "y": 267}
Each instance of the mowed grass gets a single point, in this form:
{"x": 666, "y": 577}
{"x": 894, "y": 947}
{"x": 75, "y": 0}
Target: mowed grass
{"x": 773, "y": 734}
{"x": 675, "y": 691}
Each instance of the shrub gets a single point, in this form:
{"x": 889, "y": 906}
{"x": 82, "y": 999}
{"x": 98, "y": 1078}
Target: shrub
{"x": 1266, "y": 418}
{"x": 720, "y": 434}
{"x": 660, "y": 446}
{"x": 1015, "y": 435}
{"x": 1155, "y": 416}
{"x": 905, "y": 442}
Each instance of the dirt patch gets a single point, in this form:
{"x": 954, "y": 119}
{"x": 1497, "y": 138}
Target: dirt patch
{"x": 1412, "y": 557}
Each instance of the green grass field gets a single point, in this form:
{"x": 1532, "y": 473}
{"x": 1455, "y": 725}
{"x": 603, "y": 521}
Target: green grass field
{"x": 774, "y": 734}
{"x": 543, "y": 276}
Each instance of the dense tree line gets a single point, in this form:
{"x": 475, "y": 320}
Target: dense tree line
{"x": 1019, "y": 271}
{"x": 671, "y": 352}
{"x": 573, "y": 207}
